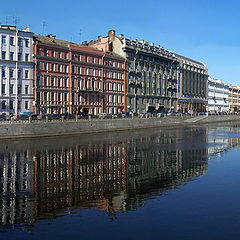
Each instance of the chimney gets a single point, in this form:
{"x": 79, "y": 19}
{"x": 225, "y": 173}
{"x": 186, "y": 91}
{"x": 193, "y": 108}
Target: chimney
{"x": 121, "y": 36}
{"x": 51, "y": 36}
{"x": 99, "y": 38}
{"x": 26, "y": 29}
{"x": 111, "y": 33}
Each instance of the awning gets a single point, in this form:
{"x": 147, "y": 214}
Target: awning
{"x": 182, "y": 100}
{"x": 197, "y": 101}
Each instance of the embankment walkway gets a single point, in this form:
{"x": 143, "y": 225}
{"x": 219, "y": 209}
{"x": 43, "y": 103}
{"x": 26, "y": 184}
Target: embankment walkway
{"x": 34, "y": 129}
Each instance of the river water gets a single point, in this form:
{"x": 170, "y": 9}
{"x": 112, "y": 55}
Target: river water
{"x": 181, "y": 183}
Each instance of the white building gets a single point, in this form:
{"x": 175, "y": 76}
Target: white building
{"x": 218, "y": 94}
{"x": 16, "y": 70}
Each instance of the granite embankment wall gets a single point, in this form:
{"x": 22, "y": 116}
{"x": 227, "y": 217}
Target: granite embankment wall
{"x": 16, "y": 130}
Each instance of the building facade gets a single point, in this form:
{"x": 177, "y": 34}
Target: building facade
{"x": 151, "y": 73}
{"x": 234, "y": 98}
{"x": 218, "y": 93}
{"x": 193, "y": 93}
{"x": 16, "y": 70}
{"x": 157, "y": 79}
{"x": 70, "y": 78}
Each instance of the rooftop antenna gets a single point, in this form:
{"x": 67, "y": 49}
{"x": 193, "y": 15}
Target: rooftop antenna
{"x": 15, "y": 21}
{"x": 44, "y": 24}
{"x": 80, "y": 36}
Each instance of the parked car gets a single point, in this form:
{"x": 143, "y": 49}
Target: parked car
{"x": 3, "y": 117}
{"x": 67, "y": 116}
{"x": 21, "y": 117}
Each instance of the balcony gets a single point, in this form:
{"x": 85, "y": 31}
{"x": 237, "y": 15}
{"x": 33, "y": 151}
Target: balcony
{"x": 83, "y": 89}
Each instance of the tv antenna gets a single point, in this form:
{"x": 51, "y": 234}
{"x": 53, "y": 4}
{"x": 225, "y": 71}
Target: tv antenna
{"x": 44, "y": 24}
{"x": 80, "y": 36}
{"x": 15, "y": 21}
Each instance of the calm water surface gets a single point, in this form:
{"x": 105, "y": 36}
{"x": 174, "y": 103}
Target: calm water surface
{"x": 152, "y": 184}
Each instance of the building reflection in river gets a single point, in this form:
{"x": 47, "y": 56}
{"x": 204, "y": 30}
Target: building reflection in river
{"x": 114, "y": 173}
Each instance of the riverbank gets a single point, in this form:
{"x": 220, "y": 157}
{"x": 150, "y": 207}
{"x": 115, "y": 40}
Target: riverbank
{"x": 34, "y": 129}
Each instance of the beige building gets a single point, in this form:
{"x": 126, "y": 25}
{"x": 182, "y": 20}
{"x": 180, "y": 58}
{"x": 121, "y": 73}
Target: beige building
{"x": 234, "y": 98}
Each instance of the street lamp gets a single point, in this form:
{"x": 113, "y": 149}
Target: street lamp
{"x": 135, "y": 85}
{"x": 171, "y": 88}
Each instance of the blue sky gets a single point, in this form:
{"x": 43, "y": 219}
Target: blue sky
{"x": 204, "y": 30}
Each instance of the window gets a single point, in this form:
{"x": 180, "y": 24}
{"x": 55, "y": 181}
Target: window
{"x": 59, "y": 97}
{"x": 38, "y": 96}
{"x": 45, "y": 81}
{"x": 45, "y": 66}
{"x": 3, "y": 104}
{"x": 11, "y": 105}
{"x": 52, "y": 67}
{"x": 73, "y": 98}
{"x": 52, "y": 81}
{"x": 3, "y": 55}
{"x": 52, "y": 96}
{"x": 38, "y": 51}
{"x": 19, "y": 104}
{"x": 73, "y": 56}
{"x": 93, "y": 60}
{"x": 11, "y": 56}
{"x": 11, "y": 73}
{"x": 11, "y": 89}
{"x": 19, "y": 42}
{"x": 59, "y": 54}
{"x": 59, "y": 67}
{"x": 19, "y": 88}
{"x": 19, "y": 56}
{"x": 66, "y": 55}
{"x": 11, "y": 40}
{"x": 86, "y": 97}
{"x": 65, "y": 68}
{"x": 26, "y": 57}
{"x": 3, "y": 89}
{"x": 26, "y": 42}
{"x": 26, "y": 89}
{"x": 86, "y": 71}
{"x": 86, "y": 58}
{"x": 65, "y": 82}
{"x": 26, "y": 74}
{"x": 3, "y": 39}
{"x": 79, "y": 57}
{"x": 73, "y": 82}
{"x": 53, "y": 53}
{"x": 38, "y": 66}
{"x": 38, "y": 80}
{"x": 19, "y": 73}
{"x": 3, "y": 73}
{"x": 59, "y": 81}
{"x": 45, "y": 52}
{"x": 26, "y": 105}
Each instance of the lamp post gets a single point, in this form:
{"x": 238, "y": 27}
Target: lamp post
{"x": 135, "y": 85}
{"x": 171, "y": 88}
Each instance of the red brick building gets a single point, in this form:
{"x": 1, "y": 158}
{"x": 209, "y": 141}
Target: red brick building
{"x": 72, "y": 78}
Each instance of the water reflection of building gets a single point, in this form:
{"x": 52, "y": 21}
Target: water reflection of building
{"x": 113, "y": 174}
{"x": 16, "y": 187}
{"x": 77, "y": 175}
